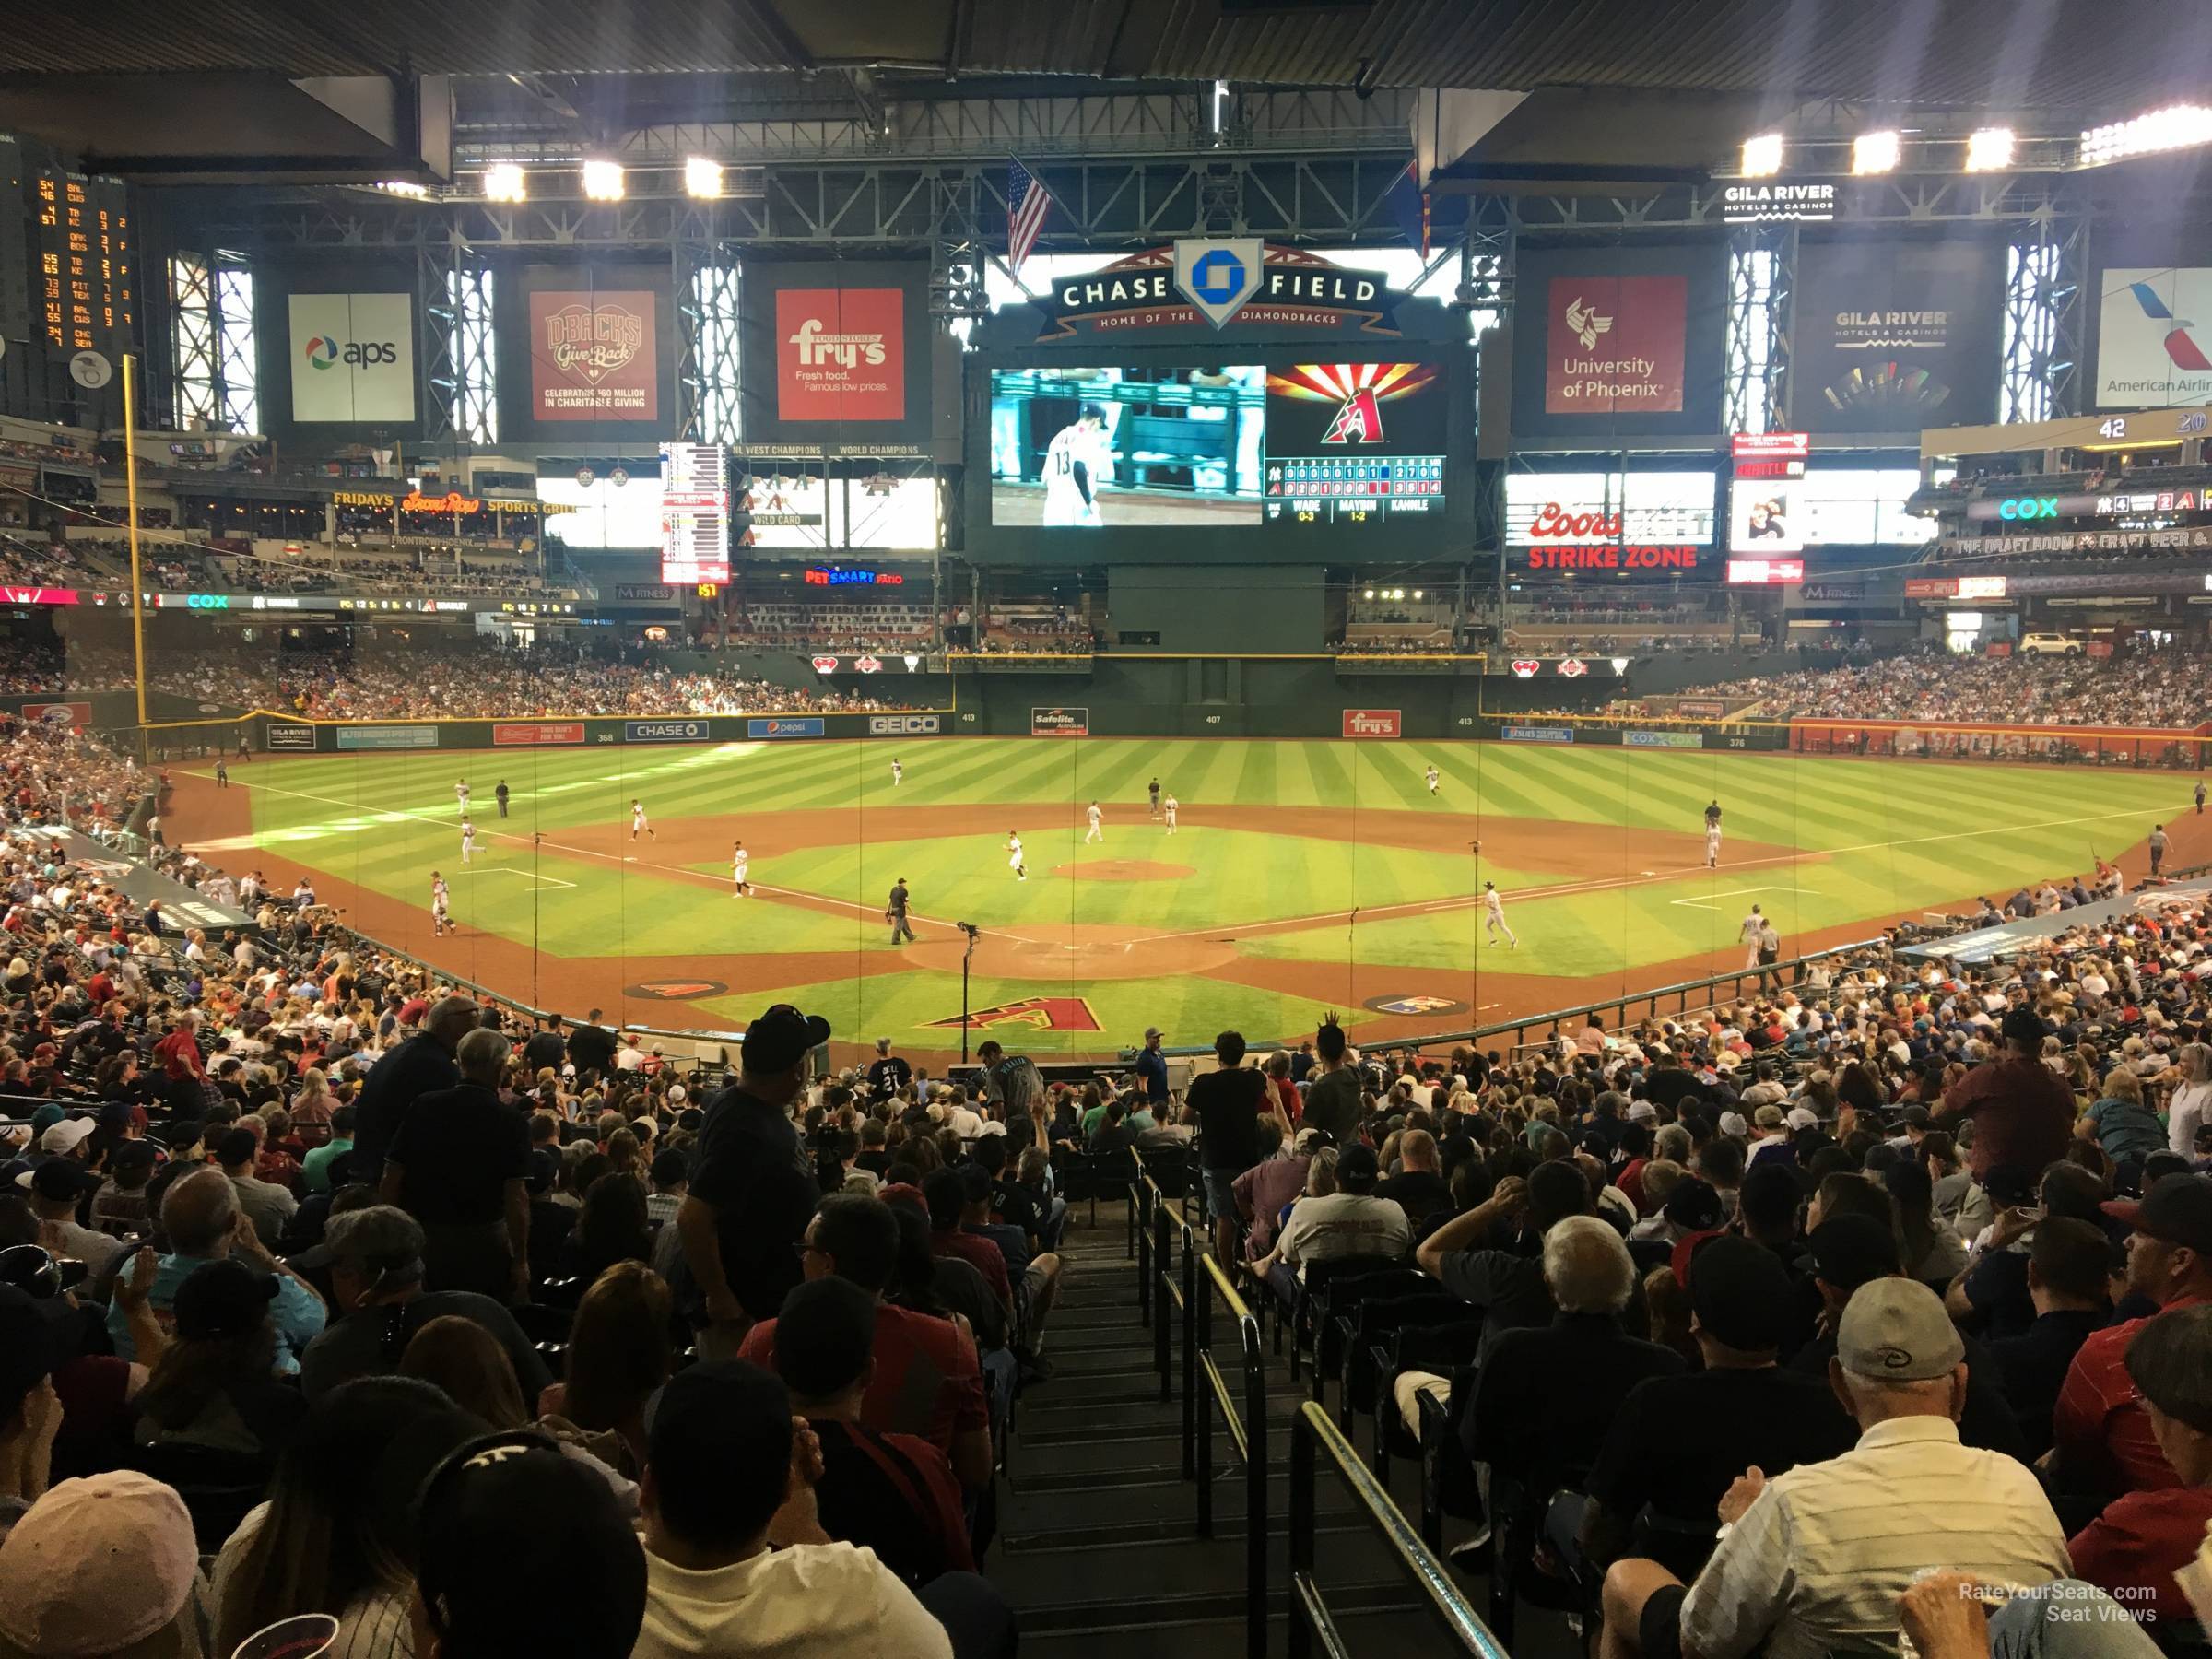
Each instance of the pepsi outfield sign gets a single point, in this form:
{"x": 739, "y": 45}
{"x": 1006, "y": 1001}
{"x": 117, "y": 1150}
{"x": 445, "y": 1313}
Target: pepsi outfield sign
{"x": 1221, "y": 281}
{"x": 782, "y": 726}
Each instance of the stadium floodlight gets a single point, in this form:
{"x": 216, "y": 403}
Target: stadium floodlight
{"x": 702, "y": 177}
{"x": 405, "y": 187}
{"x": 1877, "y": 152}
{"x": 503, "y": 181}
{"x": 1416, "y": 592}
{"x": 1369, "y": 594}
{"x": 1763, "y": 155}
{"x": 2175, "y": 128}
{"x": 603, "y": 181}
{"x": 1989, "y": 149}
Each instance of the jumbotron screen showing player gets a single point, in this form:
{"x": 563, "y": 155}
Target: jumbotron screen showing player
{"x": 1308, "y": 444}
{"x": 1089, "y": 448}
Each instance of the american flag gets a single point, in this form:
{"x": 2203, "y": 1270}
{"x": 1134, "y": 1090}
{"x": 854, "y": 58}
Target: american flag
{"x": 1028, "y": 202}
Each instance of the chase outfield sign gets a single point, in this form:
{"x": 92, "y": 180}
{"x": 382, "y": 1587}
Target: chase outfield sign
{"x": 1221, "y": 281}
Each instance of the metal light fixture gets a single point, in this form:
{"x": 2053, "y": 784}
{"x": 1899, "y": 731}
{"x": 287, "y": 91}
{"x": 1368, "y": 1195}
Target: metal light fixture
{"x": 2176, "y": 128}
{"x": 603, "y": 181}
{"x": 1877, "y": 152}
{"x": 503, "y": 181}
{"x": 1763, "y": 155}
{"x": 1989, "y": 149}
{"x": 702, "y": 177}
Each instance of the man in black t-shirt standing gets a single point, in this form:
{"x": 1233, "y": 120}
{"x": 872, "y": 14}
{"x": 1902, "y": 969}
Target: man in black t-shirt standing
{"x": 546, "y": 1048}
{"x": 887, "y": 1074}
{"x": 456, "y": 1164}
{"x": 592, "y": 1046}
{"x": 1228, "y": 1102}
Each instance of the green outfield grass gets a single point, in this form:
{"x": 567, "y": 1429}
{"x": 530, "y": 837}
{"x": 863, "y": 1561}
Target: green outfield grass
{"x": 1318, "y": 829}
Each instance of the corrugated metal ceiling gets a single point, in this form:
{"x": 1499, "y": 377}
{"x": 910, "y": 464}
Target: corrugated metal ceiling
{"x": 2008, "y": 53}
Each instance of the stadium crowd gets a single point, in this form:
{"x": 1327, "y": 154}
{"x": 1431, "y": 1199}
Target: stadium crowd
{"x": 2145, "y": 689}
{"x": 515, "y": 1335}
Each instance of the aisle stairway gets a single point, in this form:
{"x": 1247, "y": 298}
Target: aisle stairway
{"x": 1099, "y": 1544}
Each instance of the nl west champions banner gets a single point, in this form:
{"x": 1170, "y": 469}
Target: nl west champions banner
{"x": 353, "y": 358}
{"x": 1894, "y": 336}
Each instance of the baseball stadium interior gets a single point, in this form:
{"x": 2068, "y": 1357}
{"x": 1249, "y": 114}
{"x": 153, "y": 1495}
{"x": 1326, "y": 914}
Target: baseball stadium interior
{"x": 1404, "y": 799}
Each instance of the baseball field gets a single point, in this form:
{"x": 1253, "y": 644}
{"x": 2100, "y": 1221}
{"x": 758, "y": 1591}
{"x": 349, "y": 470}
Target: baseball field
{"x": 1300, "y": 876}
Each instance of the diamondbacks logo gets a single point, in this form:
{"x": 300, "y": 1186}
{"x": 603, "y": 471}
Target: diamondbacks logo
{"x": 1584, "y": 323}
{"x": 594, "y": 341}
{"x": 677, "y": 990}
{"x": 1358, "y": 391}
{"x": 1039, "y": 1013}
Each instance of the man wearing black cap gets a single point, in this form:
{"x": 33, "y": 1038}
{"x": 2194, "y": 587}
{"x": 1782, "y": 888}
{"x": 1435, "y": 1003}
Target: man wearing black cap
{"x": 522, "y": 1550}
{"x": 2023, "y": 1111}
{"x": 56, "y": 1186}
{"x": 2101, "y": 1438}
{"x": 751, "y": 1189}
{"x": 1660, "y": 1448}
{"x": 737, "y": 1559}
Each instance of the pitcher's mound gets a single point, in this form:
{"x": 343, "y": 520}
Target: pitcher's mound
{"x": 1048, "y": 953}
{"x": 1124, "y": 869}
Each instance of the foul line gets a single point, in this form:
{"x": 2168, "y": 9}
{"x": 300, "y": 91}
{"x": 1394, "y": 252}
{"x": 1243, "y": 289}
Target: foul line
{"x": 616, "y": 859}
{"x": 1427, "y": 907}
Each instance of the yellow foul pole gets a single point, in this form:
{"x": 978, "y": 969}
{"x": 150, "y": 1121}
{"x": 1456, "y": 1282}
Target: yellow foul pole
{"x": 130, "y": 463}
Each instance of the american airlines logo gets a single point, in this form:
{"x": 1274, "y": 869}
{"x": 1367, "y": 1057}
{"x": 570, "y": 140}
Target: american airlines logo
{"x": 817, "y": 346}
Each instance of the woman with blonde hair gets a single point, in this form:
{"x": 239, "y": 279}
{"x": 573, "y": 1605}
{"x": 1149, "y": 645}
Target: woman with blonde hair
{"x": 2123, "y": 1125}
{"x": 312, "y": 1108}
{"x": 2192, "y": 1104}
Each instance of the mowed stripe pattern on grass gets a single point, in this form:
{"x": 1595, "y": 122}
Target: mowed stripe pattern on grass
{"x": 1895, "y": 835}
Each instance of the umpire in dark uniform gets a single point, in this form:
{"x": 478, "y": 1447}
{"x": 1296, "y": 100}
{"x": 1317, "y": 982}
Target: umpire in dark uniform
{"x": 499, "y": 794}
{"x": 894, "y": 912}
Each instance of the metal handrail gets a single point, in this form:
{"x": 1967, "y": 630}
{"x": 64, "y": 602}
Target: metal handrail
{"x": 1248, "y": 1432}
{"x": 1310, "y": 1618}
{"x": 1734, "y": 977}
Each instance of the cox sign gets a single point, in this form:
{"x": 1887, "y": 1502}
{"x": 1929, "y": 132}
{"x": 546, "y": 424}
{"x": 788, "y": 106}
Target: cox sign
{"x": 2029, "y": 507}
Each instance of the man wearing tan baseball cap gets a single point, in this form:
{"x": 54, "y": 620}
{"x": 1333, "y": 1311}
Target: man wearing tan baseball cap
{"x": 1817, "y": 1559}
{"x": 102, "y": 1566}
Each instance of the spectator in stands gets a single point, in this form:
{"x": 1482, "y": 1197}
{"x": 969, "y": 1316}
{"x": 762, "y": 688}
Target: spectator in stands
{"x": 455, "y": 1163}
{"x": 2022, "y": 1110}
{"x": 1262, "y": 1191}
{"x": 523, "y": 1550}
{"x": 1506, "y": 1283}
{"x": 1544, "y": 1394}
{"x": 57, "y": 1187}
{"x": 1815, "y": 1559}
{"x": 267, "y": 1205}
{"x": 315, "y": 1169}
{"x": 104, "y": 1565}
{"x": 375, "y": 1259}
{"x": 1418, "y": 1187}
{"x": 618, "y": 1353}
{"x": 1648, "y": 1467}
{"x": 1332, "y": 1099}
{"x": 1350, "y": 1221}
{"x": 213, "y": 1388}
{"x": 330, "y": 1538}
{"x": 927, "y": 1381}
{"x": 892, "y": 1493}
{"x": 2135, "y": 1546}
{"x": 423, "y": 1063}
{"x": 2069, "y": 1267}
{"x": 2101, "y": 1436}
{"x": 1228, "y": 1100}
{"x": 120, "y": 1205}
{"x": 737, "y": 1559}
{"x": 202, "y": 1221}
{"x": 2121, "y": 1123}
{"x": 750, "y": 1195}
{"x": 2191, "y": 1106}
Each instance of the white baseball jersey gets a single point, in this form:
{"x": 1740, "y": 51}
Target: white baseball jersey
{"x": 1431, "y": 776}
{"x": 637, "y": 816}
{"x": 1075, "y": 447}
{"x": 461, "y": 793}
{"x": 468, "y": 835}
{"x": 739, "y": 864}
{"x": 1093, "y": 815}
{"x": 898, "y": 771}
{"x": 1493, "y": 901}
{"x": 1013, "y": 851}
{"x": 1748, "y": 933}
{"x": 1171, "y": 805}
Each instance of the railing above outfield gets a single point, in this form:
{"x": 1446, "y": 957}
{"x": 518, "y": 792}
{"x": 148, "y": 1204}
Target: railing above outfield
{"x": 1660, "y": 1002}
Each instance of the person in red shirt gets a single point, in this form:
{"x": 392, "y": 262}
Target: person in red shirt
{"x": 2134, "y": 1548}
{"x": 927, "y": 1381}
{"x": 945, "y": 1193}
{"x": 2101, "y": 1435}
{"x": 2023, "y": 1112}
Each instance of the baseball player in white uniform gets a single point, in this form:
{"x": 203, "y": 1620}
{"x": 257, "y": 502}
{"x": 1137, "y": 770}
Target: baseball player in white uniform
{"x": 1493, "y": 921}
{"x": 1433, "y": 779}
{"x": 1079, "y": 460}
{"x": 1713, "y": 846}
{"x": 1014, "y": 856}
{"x": 461, "y": 795}
{"x": 898, "y": 774}
{"x": 1096, "y": 832}
{"x": 439, "y": 905}
{"x": 468, "y": 841}
{"x": 1748, "y": 933}
{"x": 741, "y": 864}
{"x": 1170, "y": 805}
{"x": 637, "y": 821}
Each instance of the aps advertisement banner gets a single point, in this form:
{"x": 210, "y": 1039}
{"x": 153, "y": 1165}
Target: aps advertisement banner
{"x": 1896, "y": 337}
{"x": 352, "y": 359}
{"x": 2154, "y": 337}
{"x": 594, "y": 354}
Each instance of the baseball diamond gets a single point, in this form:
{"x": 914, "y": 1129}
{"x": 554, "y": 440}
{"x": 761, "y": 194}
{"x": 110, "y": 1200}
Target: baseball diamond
{"x": 1303, "y": 875}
